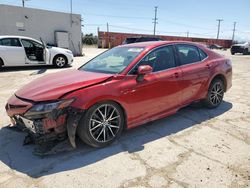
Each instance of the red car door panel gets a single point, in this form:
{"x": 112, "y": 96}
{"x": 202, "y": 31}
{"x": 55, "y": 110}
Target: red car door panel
{"x": 194, "y": 76}
{"x": 158, "y": 93}
{"x": 195, "y": 71}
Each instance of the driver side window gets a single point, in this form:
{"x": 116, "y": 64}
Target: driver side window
{"x": 30, "y": 44}
{"x": 160, "y": 59}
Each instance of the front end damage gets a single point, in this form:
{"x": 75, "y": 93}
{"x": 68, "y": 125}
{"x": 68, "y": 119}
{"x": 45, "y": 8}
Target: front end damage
{"x": 47, "y": 123}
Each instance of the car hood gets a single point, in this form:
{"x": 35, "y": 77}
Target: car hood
{"x": 53, "y": 86}
{"x": 241, "y": 45}
{"x": 59, "y": 50}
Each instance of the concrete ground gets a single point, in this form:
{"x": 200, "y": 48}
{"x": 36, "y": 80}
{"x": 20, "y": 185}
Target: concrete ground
{"x": 196, "y": 147}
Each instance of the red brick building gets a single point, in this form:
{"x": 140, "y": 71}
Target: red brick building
{"x": 111, "y": 39}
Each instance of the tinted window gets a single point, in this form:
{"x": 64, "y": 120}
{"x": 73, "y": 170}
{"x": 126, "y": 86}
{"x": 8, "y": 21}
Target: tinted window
{"x": 30, "y": 44}
{"x": 188, "y": 54}
{"x": 129, "y": 40}
{"x": 203, "y": 55}
{"x": 10, "y": 42}
{"x": 159, "y": 59}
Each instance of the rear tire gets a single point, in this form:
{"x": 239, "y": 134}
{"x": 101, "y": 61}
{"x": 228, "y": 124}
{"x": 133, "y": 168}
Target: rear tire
{"x": 60, "y": 61}
{"x": 1, "y": 63}
{"x": 215, "y": 94}
{"x": 102, "y": 124}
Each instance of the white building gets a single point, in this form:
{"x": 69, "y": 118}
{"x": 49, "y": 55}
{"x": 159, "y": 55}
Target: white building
{"x": 55, "y": 28}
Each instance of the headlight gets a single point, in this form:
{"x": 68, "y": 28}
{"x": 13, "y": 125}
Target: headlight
{"x": 69, "y": 52}
{"x": 44, "y": 108}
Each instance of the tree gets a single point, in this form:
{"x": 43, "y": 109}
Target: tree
{"x": 89, "y": 39}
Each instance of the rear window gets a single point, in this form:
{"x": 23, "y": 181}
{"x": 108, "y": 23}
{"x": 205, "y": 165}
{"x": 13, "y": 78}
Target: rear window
{"x": 203, "y": 55}
{"x": 10, "y": 42}
{"x": 188, "y": 54}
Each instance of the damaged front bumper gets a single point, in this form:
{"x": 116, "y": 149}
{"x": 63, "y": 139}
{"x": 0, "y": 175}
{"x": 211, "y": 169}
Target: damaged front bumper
{"x": 47, "y": 126}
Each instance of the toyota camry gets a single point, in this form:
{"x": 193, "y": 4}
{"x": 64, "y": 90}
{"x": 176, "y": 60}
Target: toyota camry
{"x": 122, "y": 88}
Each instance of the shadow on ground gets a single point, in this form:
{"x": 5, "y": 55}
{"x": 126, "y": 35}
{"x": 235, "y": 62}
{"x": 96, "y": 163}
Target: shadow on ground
{"x": 20, "y": 158}
{"x": 38, "y": 69}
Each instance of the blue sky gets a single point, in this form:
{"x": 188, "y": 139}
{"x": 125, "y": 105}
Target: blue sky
{"x": 176, "y": 17}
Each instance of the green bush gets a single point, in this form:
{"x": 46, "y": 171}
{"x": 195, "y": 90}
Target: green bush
{"x": 89, "y": 39}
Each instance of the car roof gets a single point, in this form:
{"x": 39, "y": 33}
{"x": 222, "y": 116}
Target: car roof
{"x": 153, "y": 44}
{"x": 16, "y": 36}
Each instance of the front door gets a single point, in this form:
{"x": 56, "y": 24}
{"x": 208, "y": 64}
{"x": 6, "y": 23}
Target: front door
{"x": 159, "y": 91}
{"x": 45, "y": 52}
{"x": 34, "y": 51}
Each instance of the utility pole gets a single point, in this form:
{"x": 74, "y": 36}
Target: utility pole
{"x": 155, "y": 19}
{"x": 98, "y": 29}
{"x": 108, "y": 34}
{"x": 71, "y": 19}
{"x": 218, "y": 33}
{"x": 233, "y": 32}
{"x": 23, "y": 2}
{"x": 187, "y": 34}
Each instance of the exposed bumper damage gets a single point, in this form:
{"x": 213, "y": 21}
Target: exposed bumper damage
{"x": 45, "y": 130}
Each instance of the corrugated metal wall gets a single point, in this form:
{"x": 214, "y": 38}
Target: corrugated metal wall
{"x": 111, "y": 39}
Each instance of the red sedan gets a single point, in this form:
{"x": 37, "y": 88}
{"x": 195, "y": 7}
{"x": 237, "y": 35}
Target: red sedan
{"x": 121, "y": 88}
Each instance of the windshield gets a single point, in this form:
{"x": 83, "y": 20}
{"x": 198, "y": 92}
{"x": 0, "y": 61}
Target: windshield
{"x": 112, "y": 61}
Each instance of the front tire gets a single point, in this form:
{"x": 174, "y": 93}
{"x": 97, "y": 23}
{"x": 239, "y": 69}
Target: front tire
{"x": 215, "y": 94}
{"x": 60, "y": 61}
{"x": 245, "y": 52}
{"x": 102, "y": 124}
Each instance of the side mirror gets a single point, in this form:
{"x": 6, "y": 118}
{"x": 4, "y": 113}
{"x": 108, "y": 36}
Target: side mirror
{"x": 142, "y": 71}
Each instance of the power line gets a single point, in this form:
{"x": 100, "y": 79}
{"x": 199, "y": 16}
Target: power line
{"x": 114, "y": 16}
{"x": 147, "y": 18}
{"x": 233, "y": 32}
{"x": 186, "y": 25}
{"x": 155, "y": 19}
{"x": 218, "y": 32}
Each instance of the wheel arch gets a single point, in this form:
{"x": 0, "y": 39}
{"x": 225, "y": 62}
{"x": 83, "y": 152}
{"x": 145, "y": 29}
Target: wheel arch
{"x": 222, "y": 78}
{"x": 60, "y": 54}
{"x": 76, "y": 114}
{"x": 114, "y": 101}
{"x": 1, "y": 62}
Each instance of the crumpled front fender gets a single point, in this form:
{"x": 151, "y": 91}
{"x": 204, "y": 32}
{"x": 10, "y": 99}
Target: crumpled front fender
{"x": 73, "y": 119}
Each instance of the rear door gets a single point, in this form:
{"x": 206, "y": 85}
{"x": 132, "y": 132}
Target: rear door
{"x": 195, "y": 71}
{"x": 12, "y": 52}
{"x": 159, "y": 92}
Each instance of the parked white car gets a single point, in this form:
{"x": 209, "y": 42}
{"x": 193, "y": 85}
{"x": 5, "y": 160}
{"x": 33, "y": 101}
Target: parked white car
{"x": 22, "y": 51}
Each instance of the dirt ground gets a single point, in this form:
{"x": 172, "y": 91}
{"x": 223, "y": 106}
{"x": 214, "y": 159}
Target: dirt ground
{"x": 196, "y": 147}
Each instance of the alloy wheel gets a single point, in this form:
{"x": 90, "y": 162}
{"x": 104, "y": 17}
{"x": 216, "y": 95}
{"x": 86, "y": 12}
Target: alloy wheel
{"x": 105, "y": 123}
{"x": 60, "y": 61}
{"x": 216, "y": 94}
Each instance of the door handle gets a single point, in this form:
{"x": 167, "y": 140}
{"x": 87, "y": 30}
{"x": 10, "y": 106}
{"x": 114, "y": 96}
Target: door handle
{"x": 208, "y": 66}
